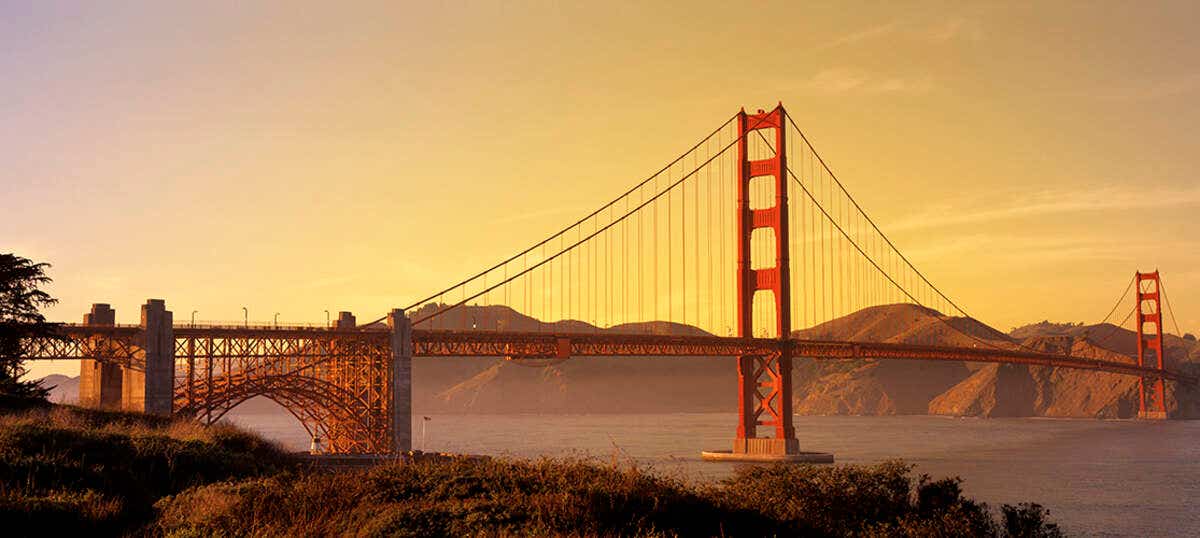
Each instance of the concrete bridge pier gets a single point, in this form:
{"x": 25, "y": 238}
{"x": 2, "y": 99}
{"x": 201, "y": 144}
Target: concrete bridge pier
{"x": 151, "y": 388}
{"x": 100, "y": 381}
{"x": 147, "y": 385}
{"x": 400, "y": 374}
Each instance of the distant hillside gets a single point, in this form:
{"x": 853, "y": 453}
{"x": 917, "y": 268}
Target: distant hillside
{"x": 887, "y": 387}
{"x": 1113, "y": 338}
{"x": 593, "y": 385}
{"x": 503, "y": 318}
{"x": 63, "y": 389}
{"x": 1056, "y": 392}
{"x": 1010, "y": 390}
{"x": 906, "y": 324}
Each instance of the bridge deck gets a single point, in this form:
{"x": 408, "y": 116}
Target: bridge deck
{"x": 537, "y": 345}
{"x": 546, "y": 345}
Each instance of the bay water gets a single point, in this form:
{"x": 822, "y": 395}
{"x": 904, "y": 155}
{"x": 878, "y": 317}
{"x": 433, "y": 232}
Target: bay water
{"x": 1097, "y": 478}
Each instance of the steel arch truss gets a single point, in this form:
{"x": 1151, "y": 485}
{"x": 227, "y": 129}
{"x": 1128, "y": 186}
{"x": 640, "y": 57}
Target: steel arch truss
{"x": 337, "y": 383}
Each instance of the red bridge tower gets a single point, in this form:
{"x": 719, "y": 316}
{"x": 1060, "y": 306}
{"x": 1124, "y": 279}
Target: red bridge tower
{"x": 772, "y": 373}
{"x": 1149, "y": 312}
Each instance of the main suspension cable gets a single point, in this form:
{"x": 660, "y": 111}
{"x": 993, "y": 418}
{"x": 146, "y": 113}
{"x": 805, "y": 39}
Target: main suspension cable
{"x": 868, "y": 217}
{"x": 1119, "y": 301}
{"x": 580, "y": 221}
{"x": 598, "y": 231}
{"x": 1167, "y": 300}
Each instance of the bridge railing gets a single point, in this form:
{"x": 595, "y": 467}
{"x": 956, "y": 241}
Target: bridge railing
{"x": 227, "y": 324}
{"x": 290, "y": 326}
{"x": 96, "y": 328}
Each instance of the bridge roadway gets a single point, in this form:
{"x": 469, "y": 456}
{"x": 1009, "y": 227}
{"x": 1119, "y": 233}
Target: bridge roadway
{"x": 548, "y": 345}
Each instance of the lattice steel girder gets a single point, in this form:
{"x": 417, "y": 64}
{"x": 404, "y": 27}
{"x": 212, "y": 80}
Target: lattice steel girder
{"x": 124, "y": 343}
{"x": 120, "y": 344}
{"x": 866, "y": 350}
{"x": 338, "y": 379}
{"x": 265, "y": 347}
{"x": 428, "y": 343}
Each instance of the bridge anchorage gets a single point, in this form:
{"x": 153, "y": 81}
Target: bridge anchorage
{"x": 649, "y": 274}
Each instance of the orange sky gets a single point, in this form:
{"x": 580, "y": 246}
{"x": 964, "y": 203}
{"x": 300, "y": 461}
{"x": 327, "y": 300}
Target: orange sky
{"x": 295, "y": 158}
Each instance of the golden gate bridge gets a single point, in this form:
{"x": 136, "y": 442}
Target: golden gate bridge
{"x": 720, "y": 253}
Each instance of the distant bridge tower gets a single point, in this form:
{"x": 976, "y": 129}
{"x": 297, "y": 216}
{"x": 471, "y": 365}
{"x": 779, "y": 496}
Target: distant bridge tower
{"x": 773, "y": 372}
{"x": 1149, "y": 312}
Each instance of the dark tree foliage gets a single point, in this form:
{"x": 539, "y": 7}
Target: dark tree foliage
{"x": 1029, "y": 520}
{"x": 20, "y": 302}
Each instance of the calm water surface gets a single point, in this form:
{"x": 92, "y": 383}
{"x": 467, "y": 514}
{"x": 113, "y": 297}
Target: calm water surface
{"x": 1098, "y": 478}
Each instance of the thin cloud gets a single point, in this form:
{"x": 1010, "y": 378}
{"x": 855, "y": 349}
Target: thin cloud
{"x": 1022, "y": 248}
{"x": 1145, "y": 90}
{"x": 1051, "y": 202}
{"x": 839, "y": 81}
{"x": 952, "y": 29}
{"x": 957, "y": 28}
{"x": 867, "y": 34}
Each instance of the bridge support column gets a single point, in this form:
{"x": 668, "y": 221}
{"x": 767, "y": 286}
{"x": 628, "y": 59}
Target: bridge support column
{"x": 150, "y": 387}
{"x": 100, "y": 380}
{"x": 400, "y": 374}
{"x": 1152, "y": 400}
{"x": 774, "y": 371}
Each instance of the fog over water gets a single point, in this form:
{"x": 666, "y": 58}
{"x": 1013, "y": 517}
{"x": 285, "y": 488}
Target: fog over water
{"x": 1098, "y": 478}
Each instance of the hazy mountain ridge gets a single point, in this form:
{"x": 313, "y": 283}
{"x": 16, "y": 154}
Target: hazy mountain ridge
{"x": 866, "y": 387}
{"x": 63, "y": 389}
{"x": 593, "y": 385}
{"x": 988, "y": 390}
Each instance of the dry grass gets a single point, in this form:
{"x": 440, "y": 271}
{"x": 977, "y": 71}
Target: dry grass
{"x": 491, "y": 497}
{"x": 65, "y": 468}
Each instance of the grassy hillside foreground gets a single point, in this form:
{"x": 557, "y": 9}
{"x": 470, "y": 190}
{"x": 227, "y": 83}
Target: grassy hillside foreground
{"x": 65, "y": 469}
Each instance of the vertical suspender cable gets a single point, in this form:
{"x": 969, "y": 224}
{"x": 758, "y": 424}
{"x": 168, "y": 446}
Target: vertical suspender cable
{"x": 696, "y": 240}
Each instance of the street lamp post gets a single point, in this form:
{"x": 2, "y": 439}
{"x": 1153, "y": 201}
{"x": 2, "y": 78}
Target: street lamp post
{"x": 276, "y": 320}
{"x": 327, "y": 324}
{"x": 246, "y": 316}
{"x": 194, "y": 317}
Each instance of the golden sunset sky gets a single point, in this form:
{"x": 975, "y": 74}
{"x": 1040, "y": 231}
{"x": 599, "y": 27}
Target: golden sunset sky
{"x": 294, "y": 157}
